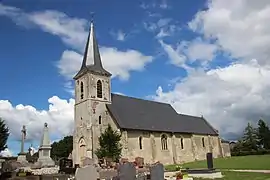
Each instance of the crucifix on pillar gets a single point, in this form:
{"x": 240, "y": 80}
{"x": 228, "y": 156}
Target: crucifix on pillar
{"x": 23, "y": 138}
{"x": 22, "y": 155}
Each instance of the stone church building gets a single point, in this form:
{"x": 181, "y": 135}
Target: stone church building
{"x": 152, "y": 130}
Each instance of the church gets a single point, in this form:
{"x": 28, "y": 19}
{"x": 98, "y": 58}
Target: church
{"x": 149, "y": 129}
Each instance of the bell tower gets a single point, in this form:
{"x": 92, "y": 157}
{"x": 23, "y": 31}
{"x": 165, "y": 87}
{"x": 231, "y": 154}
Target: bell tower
{"x": 92, "y": 93}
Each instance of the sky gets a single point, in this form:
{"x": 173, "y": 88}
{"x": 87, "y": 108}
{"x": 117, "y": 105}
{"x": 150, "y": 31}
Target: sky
{"x": 204, "y": 57}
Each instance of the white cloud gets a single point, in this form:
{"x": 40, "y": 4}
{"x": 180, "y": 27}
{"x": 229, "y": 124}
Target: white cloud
{"x": 200, "y": 50}
{"x": 59, "y": 117}
{"x": 161, "y": 27}
{"x": 120, "y": 35}
{"x": 195, "y": 50}
{"x": 162, "y": 4}
{"x": 6, "y": 153}
{"x": 176, "y": 56}
{"x": 119, "y": 63}
{"x": 72, "y": 31}
{"x": 240, "y": 27}
{"x": 227, "y": 97}
{"x": 162, "y": 34}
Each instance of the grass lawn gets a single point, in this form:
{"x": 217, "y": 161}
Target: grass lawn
{"x": 242, "y": 176}
{"x": 258, "y": 162}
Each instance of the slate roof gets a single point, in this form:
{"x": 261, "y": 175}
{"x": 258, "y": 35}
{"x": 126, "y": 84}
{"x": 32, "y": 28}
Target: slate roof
{"x": 138, "y": 114}
{"x": 225, "y": 141}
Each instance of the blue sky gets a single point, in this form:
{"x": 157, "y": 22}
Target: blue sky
{"x": 187, "y": 53}
{"x": 35, "y": 52}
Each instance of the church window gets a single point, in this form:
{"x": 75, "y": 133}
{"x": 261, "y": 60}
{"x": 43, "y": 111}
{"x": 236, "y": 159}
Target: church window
{"x": 140, "y": 142}
{"x": 203, "y": 142}
{"x": 182, "y": 143}
{"x": 99, "y": 89}
{"x": 81, "y": 90}
{"x": 164, "y": 144}
{"x": 99, "y": 120}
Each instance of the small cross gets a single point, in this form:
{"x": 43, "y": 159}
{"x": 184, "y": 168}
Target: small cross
{"x": 92, "y": 16}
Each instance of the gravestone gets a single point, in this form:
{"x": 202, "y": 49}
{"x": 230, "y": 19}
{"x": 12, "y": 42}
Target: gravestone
{"x": 157, "y": 172}
{"x": 127, "y": 171}
{"x": 87, "y": 173}
{"x": 87, "y": 161}
{"x": 209, "y": 157}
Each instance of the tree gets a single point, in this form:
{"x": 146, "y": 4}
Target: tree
{"x": 250, "y": 139}
{"x": 4, "y": 133}
{"x": 62, "y": 148}
{"x": 110, "y": 146}
{"x": 263, "y": 133}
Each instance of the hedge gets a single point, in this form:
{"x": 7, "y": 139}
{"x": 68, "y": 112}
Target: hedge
{"x": 252, "y": 152}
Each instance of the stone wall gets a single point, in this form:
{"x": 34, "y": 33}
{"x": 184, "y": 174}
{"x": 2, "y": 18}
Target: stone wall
{"x": 226, "y": 149}
{"x": 192, "y": 147}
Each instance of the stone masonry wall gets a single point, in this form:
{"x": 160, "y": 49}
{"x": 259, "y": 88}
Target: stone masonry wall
{"x": 151, "y": 151}
{"x": 226, "y": 149}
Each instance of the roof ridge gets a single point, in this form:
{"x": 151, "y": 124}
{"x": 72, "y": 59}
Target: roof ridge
{"x": 189, "y": 115}
{"x": 140, "y": 99}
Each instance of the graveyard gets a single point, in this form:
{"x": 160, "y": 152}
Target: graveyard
{"x": 134, "y": 170}
{"x": 237, "y": 167}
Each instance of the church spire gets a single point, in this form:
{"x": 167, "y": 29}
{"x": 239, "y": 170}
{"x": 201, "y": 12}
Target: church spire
{"x": 91, "y": 59}
{"x": 91, "y": 54}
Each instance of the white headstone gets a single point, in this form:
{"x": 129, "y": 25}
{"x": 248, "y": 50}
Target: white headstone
{"x": 45, "y": 149}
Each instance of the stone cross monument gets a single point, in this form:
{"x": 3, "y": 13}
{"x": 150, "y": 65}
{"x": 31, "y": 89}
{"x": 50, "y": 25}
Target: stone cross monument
{"x": 22, "y": 155}
{"x": 44, "y": 151}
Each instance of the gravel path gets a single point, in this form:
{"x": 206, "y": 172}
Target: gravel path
{"x": 250, "y": 170}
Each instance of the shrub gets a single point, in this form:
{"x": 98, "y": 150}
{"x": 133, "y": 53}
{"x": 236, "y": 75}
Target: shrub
{"x": 252, "y": 152}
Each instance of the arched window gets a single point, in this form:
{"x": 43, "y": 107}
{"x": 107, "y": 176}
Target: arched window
{"x": 81, "y": 90}
{"x": 140, "y": 142}
{"x": 182, "y": 143}
{"x": 164, "y": 145}
{"x": 203, "y": 142}
{"x": 99, "y": 89}
{"x": 99, "y": 120}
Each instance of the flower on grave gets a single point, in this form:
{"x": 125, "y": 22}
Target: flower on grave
{"x": 179, "y": 175}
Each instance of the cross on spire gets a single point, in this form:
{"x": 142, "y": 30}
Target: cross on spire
{"x": 92, "y": 16}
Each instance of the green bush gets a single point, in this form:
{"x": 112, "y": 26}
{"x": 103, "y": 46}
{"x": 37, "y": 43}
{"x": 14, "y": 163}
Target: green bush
{"x": 252, "y": 152}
